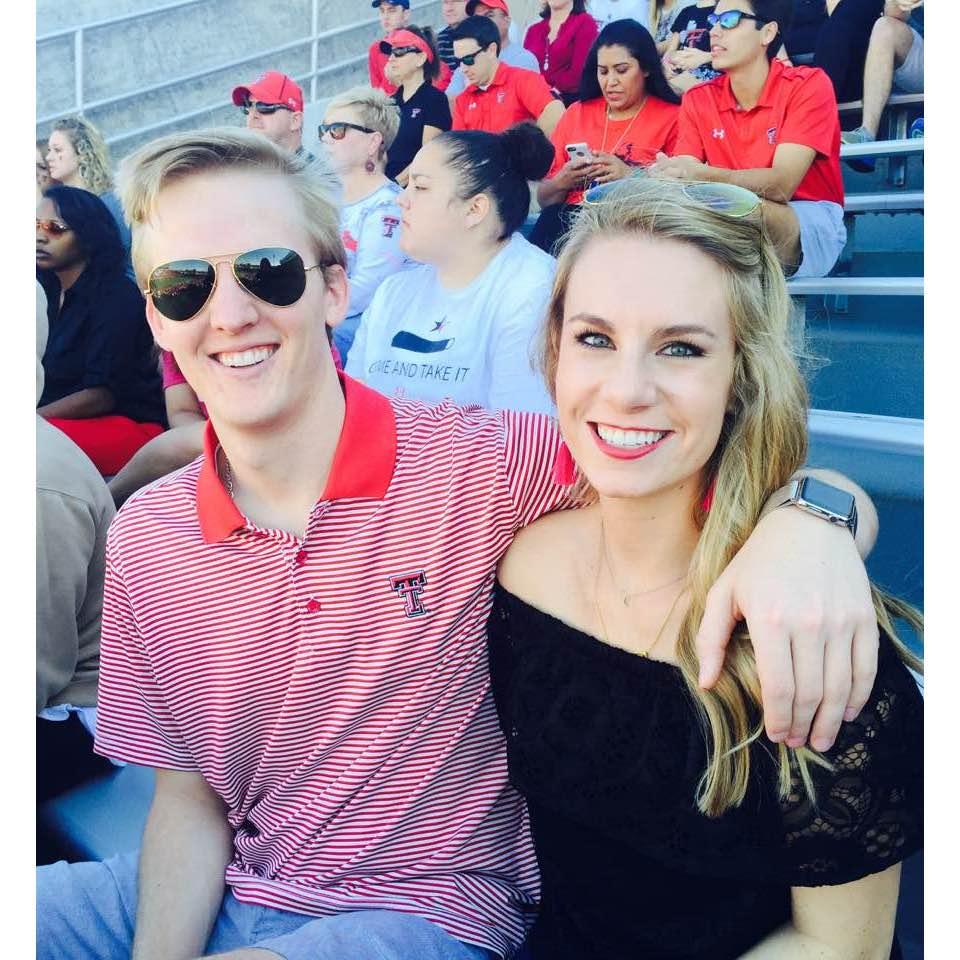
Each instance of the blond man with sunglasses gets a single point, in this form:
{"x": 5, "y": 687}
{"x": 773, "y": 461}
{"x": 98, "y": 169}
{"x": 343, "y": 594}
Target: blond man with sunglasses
{"x": 293, "y": 626}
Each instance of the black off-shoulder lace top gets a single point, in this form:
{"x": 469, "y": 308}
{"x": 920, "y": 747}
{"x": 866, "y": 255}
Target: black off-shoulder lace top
{"x": 607, "y": 750}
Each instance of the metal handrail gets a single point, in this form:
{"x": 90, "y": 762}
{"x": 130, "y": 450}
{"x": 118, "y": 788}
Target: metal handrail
{"x": 891, "y": 435}
{"x": 77, "y": 33}
{"x": 857, "y": 286}
{"x": 883, "y": 202}
{"x": 896, "y": 100}
{"x": 882, "y": 148}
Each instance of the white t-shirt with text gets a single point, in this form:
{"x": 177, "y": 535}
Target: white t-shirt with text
{"x": 474, "y": 345}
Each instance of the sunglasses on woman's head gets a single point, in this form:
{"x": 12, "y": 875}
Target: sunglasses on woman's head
{"x": 339, "y": 129}
{"x": 180, "y": 289}
{"x": 730, "y": 19}
{"x": 265, "y": 108}
{"x": 53, "y": 228}
{"x": 725, "y": 198}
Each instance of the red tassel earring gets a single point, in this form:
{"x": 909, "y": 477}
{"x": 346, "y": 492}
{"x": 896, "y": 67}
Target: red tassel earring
{"x": 564, "y": 469}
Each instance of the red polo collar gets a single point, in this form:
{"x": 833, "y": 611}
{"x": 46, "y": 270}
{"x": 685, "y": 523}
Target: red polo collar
{"x": 362, "y": 463}
{"x": 729, "y": 102}
{"x": 499, "y": 79}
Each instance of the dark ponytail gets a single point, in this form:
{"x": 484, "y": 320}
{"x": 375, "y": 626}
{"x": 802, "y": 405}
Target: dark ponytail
{"x": 499, "y": 164}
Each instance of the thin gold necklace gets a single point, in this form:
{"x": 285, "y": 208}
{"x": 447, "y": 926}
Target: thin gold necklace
{"x": 633, "y": 120}
{"x": 596, "y": 599}
{"x": 613, "y": 577}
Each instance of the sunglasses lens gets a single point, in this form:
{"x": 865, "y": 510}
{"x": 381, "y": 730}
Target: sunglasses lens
{"x": 272, "y": 274}
{"x": 180, "y": 289}
{"x": 729, "y": 19}
{"x": 726, "y": 198}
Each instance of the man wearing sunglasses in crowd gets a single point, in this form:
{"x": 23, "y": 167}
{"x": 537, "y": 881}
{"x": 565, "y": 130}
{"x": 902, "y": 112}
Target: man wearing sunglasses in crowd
{"x": 273, "y": 106}
{"x": 771, "y": 128}
{"x": 512, "y": 54}
{"x": 497, "y": 95}
{"x": 294, "y": 624}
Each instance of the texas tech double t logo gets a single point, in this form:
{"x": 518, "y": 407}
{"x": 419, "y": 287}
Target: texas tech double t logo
{"x": 409, "y": 587}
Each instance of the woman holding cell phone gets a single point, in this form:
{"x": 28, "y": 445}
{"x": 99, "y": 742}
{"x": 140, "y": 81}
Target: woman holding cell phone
{"x": 626, "y": 114}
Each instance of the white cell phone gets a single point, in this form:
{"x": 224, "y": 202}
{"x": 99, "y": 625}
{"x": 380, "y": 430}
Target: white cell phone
{"x": 578, "y": 150}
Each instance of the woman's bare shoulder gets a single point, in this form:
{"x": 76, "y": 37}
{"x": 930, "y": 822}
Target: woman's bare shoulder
{"x": 547, "y": 554}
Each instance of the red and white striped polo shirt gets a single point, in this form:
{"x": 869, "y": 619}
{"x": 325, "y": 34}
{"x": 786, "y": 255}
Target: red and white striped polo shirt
{"x": 334, "y": 690}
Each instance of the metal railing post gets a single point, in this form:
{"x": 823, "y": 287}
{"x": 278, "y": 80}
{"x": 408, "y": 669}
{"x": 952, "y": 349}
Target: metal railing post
{"x": 78, "y": 69}
{"x": 314, "y": 48}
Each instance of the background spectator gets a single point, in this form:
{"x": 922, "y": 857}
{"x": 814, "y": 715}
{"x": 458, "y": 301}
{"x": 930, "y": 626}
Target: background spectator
{"x": 413, "y": 66}
{"x": 513, "y": 54}
{"x": 102, "y": 383}
{"x": 663, "y": 14}
{"x": 771, "y": 128}
{"x": 77, "y": 156}
{"x": 842, "y": 42}
{"x": 606, "y": 11}
{"x": 273, "y": 106}
{"x": 453, "y": 13}
{"x": 894, "y": 59}
{"x": 626, "y": 115}
{"x": 560, "y": 42}
{"x": 358, "y": 129}
{"x": 393, "y": 16}
{"x": 44, "y": 179}
{"x": 688, "y": 60}
{"x": 461, "y": 324}
{"x": 808, "y": 17}
{"x": 497, "y": 95}
{"x": 74, "y": 511}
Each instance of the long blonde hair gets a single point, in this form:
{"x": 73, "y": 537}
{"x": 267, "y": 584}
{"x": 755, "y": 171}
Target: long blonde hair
{"x": 93, "y": 157}
{"x": 763, "y": 442}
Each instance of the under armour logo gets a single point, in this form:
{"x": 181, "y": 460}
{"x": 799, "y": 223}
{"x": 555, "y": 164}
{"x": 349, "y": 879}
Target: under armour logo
{"x": 473, "y": 105}
{"x": 719, "y": 133}
{"x": 410, "y": 586}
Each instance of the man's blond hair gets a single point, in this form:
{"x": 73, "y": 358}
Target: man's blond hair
{"x": 145, "y": 173}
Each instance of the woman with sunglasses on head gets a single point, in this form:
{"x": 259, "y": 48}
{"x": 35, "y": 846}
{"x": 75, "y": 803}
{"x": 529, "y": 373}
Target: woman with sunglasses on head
{"x": 666, "y": 824}
{"x": 359, "y": 127}
{"x": 77, "y": 156}
{"x": 627, "y": 114}
{"x": 461, "y": 324}
{"x": 413, "y": 66}
{"x": 561, "y": 41}
{"x": 101, "y": 382}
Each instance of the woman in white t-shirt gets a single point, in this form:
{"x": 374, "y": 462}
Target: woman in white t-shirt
{"x": 462, "y": 324}
{"x": 357, "y": 130}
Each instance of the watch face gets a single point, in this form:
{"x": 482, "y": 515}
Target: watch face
{"x": 828, "y": 497}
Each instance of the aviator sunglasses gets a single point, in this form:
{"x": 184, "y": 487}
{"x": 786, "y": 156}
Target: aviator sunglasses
{"x": 53, "y": 228}
{"x": 265, "y": 108}
{"x": 338, "y": 130}
{"x": 725, "y": 198}
{"x": 730, "y": 19}
{"x": 180, "y": 289}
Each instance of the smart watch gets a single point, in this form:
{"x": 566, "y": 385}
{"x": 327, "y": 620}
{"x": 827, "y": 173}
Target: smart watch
{"x": 824, "y": 500}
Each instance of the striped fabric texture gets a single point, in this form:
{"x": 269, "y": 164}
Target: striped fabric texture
{"x": 334, "y": 690}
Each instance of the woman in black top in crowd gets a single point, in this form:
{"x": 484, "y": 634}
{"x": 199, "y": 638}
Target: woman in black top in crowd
{"x": 424, "y": 110}
{"x": 102, "y": 379}
{"x": 666, "y": 825}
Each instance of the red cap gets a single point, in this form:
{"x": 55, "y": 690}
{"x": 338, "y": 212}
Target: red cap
{"x": 494, "y": 4}
{"x": 405, "y": 38}
{"x": 271, "y": 87}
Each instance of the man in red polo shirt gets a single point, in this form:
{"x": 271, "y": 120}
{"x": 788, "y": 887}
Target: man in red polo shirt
{"x": 294, "y": 624}
{"x": 770, "y": 128}
{"x": 497, "y": 95}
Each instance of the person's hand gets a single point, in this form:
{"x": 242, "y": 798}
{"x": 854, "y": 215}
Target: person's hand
{"x": 690, "y": 59}
{"x": 801, "y": 586}
{"x": 575, "y": 173}
{"x": 676, "y": 168}
{"x": 907, "y": 5}
{"x": 609, "y": 167}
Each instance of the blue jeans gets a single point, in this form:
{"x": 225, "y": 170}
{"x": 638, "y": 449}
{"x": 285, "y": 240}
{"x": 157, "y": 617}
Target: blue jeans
{"x": 86, "y": 911}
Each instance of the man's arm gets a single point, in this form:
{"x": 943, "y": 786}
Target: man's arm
{"x": 779, "y": 183}
{"x": 81, "y": 405}
{"x": 800, "y": 584}
{"x": 550, "y": 116}
{"x": 187, "y": 844}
